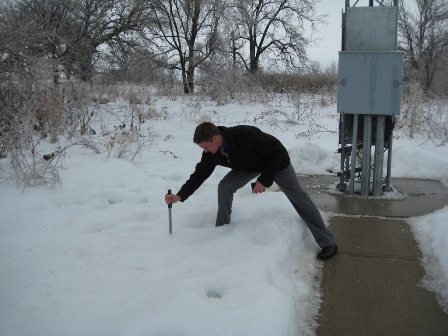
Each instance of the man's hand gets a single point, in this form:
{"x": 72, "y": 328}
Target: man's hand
{"x": 259, "y": 188}
{"x": 172, "y": 198}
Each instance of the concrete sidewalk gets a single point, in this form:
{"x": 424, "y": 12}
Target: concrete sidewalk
{"x": 371, "y": 287}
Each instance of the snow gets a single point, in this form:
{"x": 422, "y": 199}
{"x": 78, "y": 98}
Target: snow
{"x": 431, "y": 233}
{"x": 94, "y": 256}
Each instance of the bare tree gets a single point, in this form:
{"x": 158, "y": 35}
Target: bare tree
{"x": 183, "y": 34}
{"x": 122, "y": 63}
{"x": 21, "y": 45}
{"x": 71, "y": 32}
{"x": 50, "y": 18}
{"x": 440, "y": 84}
{"x": 102, "y": 22}
{"x": 274, "y": 27}
{"x": 423, "y": 36}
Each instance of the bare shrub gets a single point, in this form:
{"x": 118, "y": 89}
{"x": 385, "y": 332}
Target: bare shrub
{"x": 142, "y": 107}
{"x": 133, "y": 98}
{"x": 223, "y": 85}
{"x": 423, "y": 116}
{"x": 31, "y": 171}
{"x": 169, "y": 152}
{"x": 311, "y": 81}
{"x": 104, "y": 93}
{"x": 28, "y": 110}
{"x": 437, "y": 130}
{"x": 305, "y": 107}
{"x": 149, "y": 112}
{"x": 434, "y": 122}
{"x": 315, "y": 126}
{"x": 309, "y": 111}
{"x": 204, "y": 118}
{"x": 30, "y": 168}
{"x": 79, "y": 107}
{"x": 192, "y": 109}
{"x": 298, "y": 108}
{"x": 412, "y": 116}
{"x": 49, "y": 110}
{"x": 138, "y": 115}
{"x": 152, "y": 113}
{"x": 128, "y": 144}
{"x": 29, "y": 114}
{"x": 3, "y": 148}
{"x": 274, "y": 118}
{"x": 88, "y": 142}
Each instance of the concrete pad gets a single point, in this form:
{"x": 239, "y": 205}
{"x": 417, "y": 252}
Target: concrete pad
{"x": 372, "y": 286}
{"x": 419, "y": 197}
{"x": 378, "y": 296}
{"x": 371, "y": 236}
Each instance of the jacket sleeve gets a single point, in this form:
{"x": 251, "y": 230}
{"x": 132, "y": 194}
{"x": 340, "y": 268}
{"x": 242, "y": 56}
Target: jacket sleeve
{"x": 272, "y": 150}
{"x": 202, "y": 172}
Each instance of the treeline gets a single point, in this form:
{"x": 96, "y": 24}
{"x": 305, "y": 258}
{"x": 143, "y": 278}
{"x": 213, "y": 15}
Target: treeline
{"x": 61, "y": 61}
{"x": 151, "y": 40}
{"x": 194, "y": 41}
{"x": 423, "y": 36}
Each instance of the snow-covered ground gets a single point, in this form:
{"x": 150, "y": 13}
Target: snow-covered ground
{"x": 94, "y": 256}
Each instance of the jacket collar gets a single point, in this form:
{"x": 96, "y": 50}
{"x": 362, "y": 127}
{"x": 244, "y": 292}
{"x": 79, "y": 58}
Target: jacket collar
{"x": 228, "y": 140}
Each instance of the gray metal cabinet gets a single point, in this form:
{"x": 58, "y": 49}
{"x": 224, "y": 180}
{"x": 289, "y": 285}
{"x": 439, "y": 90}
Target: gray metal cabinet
{"x": 370, "y": 82}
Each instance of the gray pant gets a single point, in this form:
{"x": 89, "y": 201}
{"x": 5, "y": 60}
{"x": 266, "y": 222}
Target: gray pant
{"x": 288, "y": 182}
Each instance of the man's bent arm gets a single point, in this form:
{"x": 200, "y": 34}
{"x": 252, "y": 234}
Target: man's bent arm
{"x": 202, "y": 172}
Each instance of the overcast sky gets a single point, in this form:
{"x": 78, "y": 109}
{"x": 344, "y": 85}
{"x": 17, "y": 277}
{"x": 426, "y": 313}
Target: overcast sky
{"x": 330, "y": 34}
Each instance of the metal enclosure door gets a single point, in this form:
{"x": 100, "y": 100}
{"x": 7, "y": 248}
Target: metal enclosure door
{"x": 371, "y": 29}
{"x": 370, "y": 82}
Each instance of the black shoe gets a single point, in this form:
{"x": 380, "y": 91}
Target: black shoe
{"x": 328, "y": 252}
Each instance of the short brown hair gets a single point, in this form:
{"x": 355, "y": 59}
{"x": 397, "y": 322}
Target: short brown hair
{"x": 205, "y": 132}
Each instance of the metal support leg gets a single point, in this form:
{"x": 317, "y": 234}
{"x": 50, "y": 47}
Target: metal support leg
{"x": 379, "y": 156}
{"x": 342, "y": 185}
{"x": 389, "y": 161}
{"x": 366, "y": 156}
{"x": 353, "y": 158}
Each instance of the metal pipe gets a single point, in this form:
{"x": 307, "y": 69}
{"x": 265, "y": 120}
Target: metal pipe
{"x": 170, "y": 218}
{"x": 379, "y": 156}
{"x": 353, "y": 158}
{"x": 366, "y": 156}
{"x": 344, "y": 29}
{"x": 389, "y": 158}
{"x": 342, "y": 141}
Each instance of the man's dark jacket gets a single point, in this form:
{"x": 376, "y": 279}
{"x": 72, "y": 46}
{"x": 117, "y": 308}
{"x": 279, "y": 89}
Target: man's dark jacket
{"x": 249, "y": 150}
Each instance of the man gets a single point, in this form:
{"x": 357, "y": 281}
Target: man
{"x": 251, "y": 153}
